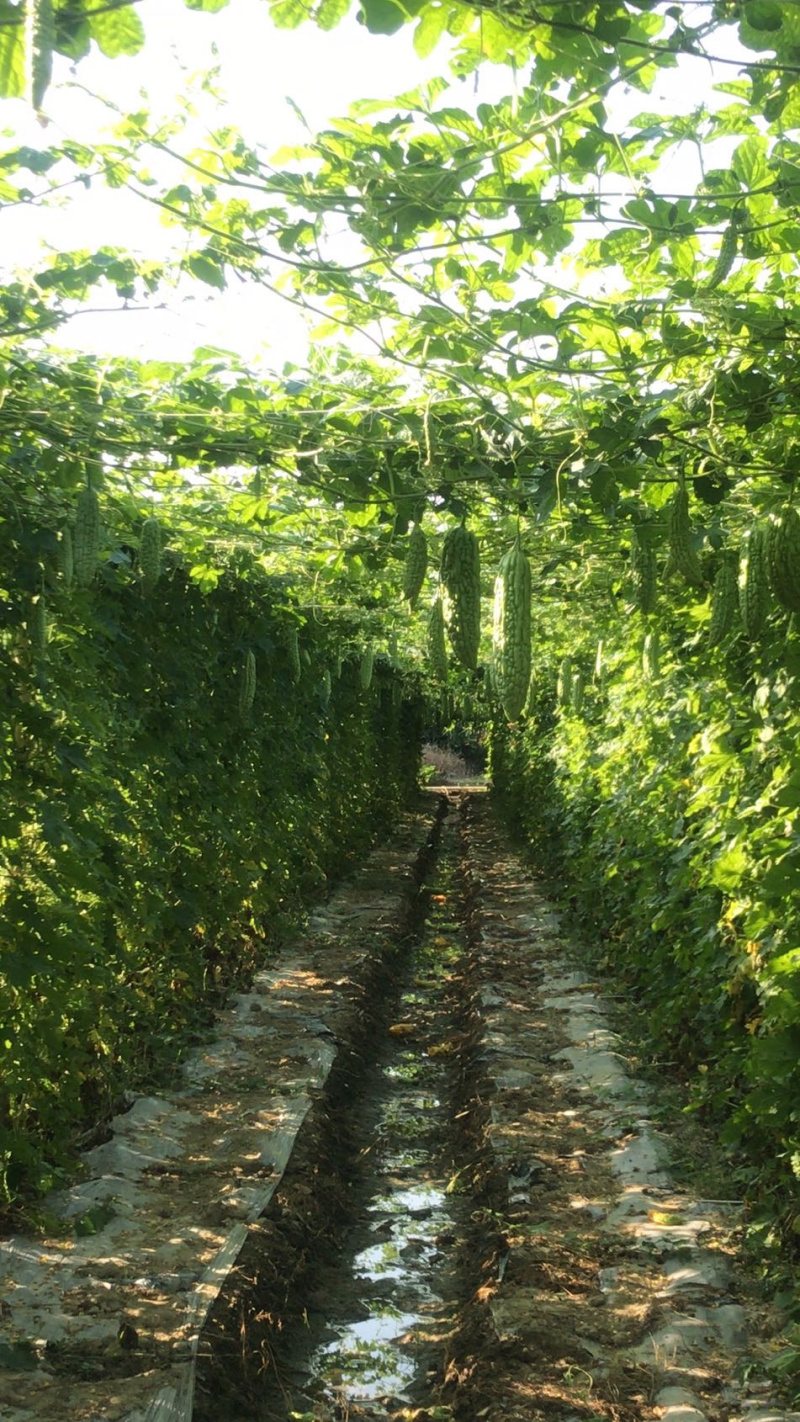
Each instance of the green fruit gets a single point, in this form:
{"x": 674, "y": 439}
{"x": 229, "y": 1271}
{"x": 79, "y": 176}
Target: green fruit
{"x": 66, "y": 557}
{"x": 437, "y": 649}
{"x": 576, "y": 692}
{"x": 461, "y": 580}
{"x": 564, "y": 682}
{"x": 325, "y": 687}
{"x": 37, "y": 626}
{"x": 651, "y": 655}
{"x": 150, "y": 552}
{"x": 247, "y": 686}
{"x": 511, "y": 638}
{"x": 725, "y": 256}
{"x": 40, "y": 34}
{"x": 753, "y": 582}
{"x": 293, "y": 644}
{"x": 365, "y": 668}
{"x": 416, "y": 565}
{"x": 599, "y": 665}
{"x": 643, "y": 566}
{"x": 86, "y": 537}
{"x": 783, "y": 557}
{"x": 680, "y": 534}
{"x": 724, "y": 599}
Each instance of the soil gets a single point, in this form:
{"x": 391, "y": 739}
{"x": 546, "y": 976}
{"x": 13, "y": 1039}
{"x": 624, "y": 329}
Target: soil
{"x": 474, "y": 1215}
{"x": 508, "y": 1240}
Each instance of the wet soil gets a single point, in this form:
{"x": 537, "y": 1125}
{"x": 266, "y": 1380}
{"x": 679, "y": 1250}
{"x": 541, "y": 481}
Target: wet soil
{"x": 416, "y": 1179}
{"x": 491, "y": 1228}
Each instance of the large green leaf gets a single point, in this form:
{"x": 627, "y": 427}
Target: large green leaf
{"x": 117, "y": 32}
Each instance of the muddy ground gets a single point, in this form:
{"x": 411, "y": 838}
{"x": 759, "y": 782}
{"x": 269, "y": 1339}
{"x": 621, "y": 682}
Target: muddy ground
{"x": 494, "y": 1231}
{"x": 414, "y": 1176}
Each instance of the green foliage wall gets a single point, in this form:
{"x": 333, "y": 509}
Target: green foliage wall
{"x": 154, "y": 838}
{"x": 669, "y": 809}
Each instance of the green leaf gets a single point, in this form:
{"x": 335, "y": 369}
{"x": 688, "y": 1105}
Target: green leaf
{"x": 206, "y": 268}
{"x": 117, "y": 32}
{"x": 763, "y": 14}
{"x": 429, "y": 30}
{"x": 12, "y": 62}
{"x": 384, "y": 17}
{"x": 288, "y": 14}
{"x": 330, "y": 12}
{"x": 749, "y": 161}
{"x": 730, "y": 868}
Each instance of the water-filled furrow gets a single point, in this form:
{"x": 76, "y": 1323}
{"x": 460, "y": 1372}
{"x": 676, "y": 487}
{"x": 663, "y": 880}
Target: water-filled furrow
{"x": 385, "y": 1308}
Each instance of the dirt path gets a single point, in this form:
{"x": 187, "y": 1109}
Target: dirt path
{"x": 456, "y": 1206}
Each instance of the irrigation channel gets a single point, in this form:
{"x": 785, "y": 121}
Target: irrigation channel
{"x": 381, "y": 1280}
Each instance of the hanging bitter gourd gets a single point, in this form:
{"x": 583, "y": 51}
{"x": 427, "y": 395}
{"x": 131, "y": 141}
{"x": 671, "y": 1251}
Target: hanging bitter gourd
{"x": 437, "y": 648}
{"x": 726, "y": 255}
{"x": 293, "y": 647}
{"x": 65, "y": 557}
{"x": 724, "y": 597}
{"x": 150, "y": 552}
{"x": 680, "y": 540}
{"x": 365, "y": 668}
{"x": 461, "y": 581}
{"x": 783, "y": 557}
{"x": 753, "y": 582}
{"x": 325, "y": 688}
{"x": 651, "y": 655}
{"x": 564, "y": 682}
{"x": 247, "y": 685}
{"x": 86, "y": 536}
{"x": 511, "y": 638}
{"x": 39, "y": 40}
{"x": 599, "y": 664}
{"x": 37, "y": 627}
{"x": 416, "y": 565}
{"x": 576, "y": 692}
{"x": 643, "y": 567}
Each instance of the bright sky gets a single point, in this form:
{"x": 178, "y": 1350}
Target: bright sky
{"x": 260, "y": 67}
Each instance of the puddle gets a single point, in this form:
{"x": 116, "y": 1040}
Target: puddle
{"x": 389, "y": 1302}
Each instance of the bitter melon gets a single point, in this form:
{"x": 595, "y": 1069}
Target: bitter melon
{"x": 564, "y": 682}
{"x": 66, "y": 558}
{"x": 783, "y": 557}
{"x": 576, "y": 692}
{"x": 680, "y": 536}
{"x": 437, "y": 648}
{"x": 416, "y": 565}
{"x": 150, "y": 552}
{"x": 40, "y": 34}
{"x": 651, "y": 655}
{"x": 725, "y": 256}
{"x": 37, "y": 627}
{"x": 247, "y": 685}
{"x": 461, "y": 581}
{"x": 86, "y": 536}
{"x": 293, "y": 644}
{"x": 325, "y": 687}
{"x": 723, "y": 602}
{"x": 753, "y": 582}
{"x": 365, "y": 668}
{"x": 643, "y": 561}
{"x": 512, "y": 630}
